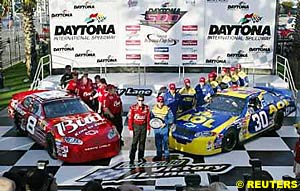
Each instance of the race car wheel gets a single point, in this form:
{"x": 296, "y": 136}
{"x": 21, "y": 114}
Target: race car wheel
{"x": 278, "y": 120}
{"x": 230, "y": 140}
{"x": 17, "y": 124}
{"x": 51, "y": 147}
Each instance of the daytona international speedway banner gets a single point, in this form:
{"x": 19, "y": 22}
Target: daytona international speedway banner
{"x": 97, "y": 33}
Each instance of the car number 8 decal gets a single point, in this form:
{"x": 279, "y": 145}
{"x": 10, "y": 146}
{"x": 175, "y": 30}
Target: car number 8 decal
{"x": 31, "y": 124}
{"x": 261, "y": 120}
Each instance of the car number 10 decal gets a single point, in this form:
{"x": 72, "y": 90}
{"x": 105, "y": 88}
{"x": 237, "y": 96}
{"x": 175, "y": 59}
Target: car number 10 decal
{"x": 31, "y": 124}
{"x": 261, "y": 120}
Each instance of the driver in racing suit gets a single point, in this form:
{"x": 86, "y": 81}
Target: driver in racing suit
{"x": 164, "y": 113}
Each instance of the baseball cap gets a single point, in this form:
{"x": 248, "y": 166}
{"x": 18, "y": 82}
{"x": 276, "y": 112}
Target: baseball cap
{"x": 232, "y": 69}
{"x": 172, "y": 86}
{"x": 110, "y": 86}
{"x": 239, "y": 66}
{"x": 160, "y": 99}
{"x": 202, "y": 79}
{"x": 187, "y": 81}
{"x": 224, "y": 70}
{"x": 211, "y": 75}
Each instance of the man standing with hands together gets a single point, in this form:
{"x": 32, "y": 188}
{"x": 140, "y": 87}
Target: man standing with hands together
{"x": 138, "y": 124}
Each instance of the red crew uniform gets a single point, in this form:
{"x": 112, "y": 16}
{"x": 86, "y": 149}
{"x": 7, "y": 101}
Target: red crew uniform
{"x": 72, "y": 87}
{"x": 113, "y": 103}
{"x": 85, "y": 91}
{"x": 138, "y": 122}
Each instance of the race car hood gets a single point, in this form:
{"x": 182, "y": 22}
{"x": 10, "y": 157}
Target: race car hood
{"x": 78, "y": 125}
{"x": 203, "y": 119}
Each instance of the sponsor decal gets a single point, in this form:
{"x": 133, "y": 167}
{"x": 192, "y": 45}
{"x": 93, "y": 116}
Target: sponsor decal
{"x": 88, "y": 53}
{"x": 262, "y": 48}
{"x": 161, "y": 40}
{"x": 133, "y": 49}
{"x": 217, "y": 1}
{"x": 133, "y": 42}
{"x": 162, "y": 62}
{"x": 109, "y": 59}
{"x": 189, "y": 49}
{"x": 161, "y": 49}
{"x": 239, "y": 54}
{"x": 242, "y": 5}
{"x": 84, "y": 30}
{"x": 161, "y": 56}
{"x": 190, "y": 2}
{"x": 190, "y": 28}
{"x": 133, "y": 56}
{"x": 134, "y": 92}
{"x": 189, "y": 56}
{"x": 162, "y": 18}
{"x": 65, "y": 48}
{"x": 132, "y": 3}
{"x": 241, "y": 31}
{"x": 253, "y": 17}
{"x": 79, "y": 125}
{"x": 189, "y": 42}
{"x": 133, "y": 34}
{"x": 166, "y": 4}
{"x": 189, "y": 63}
{"x": 87, "y": 5}
{"x": 178, "y": 166}
{"x": 91, "y": 132}
{"x": 219, "y": 60}
{"x": 189, "y": 34}
{"x": 65, "y": 13}
{"x": 133, "y": 28}
{"x": 95, "y": 16}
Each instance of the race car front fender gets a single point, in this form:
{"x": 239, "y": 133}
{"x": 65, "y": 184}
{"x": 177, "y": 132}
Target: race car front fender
{"x": 198, "y": 146}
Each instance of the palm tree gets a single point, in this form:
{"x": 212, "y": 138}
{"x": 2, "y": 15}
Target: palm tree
{"x": 4, "y": 4}
{"x": 28, "y": 7}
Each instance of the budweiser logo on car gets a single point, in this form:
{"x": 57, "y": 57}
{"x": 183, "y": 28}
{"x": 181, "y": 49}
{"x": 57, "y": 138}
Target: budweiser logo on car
{"x": 133, "y": 27}
{"x": 133, "y": 42}
{"x": 161, "y": 56}
{"x": 190, "y": 28}
{"x": 133, "y": 56}
{"x": 189, "y": 42}
{"x": 189, "y": 57}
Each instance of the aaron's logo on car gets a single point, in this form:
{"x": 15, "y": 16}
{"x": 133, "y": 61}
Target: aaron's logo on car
{"x": 88, "y": 53}
{"x": 162, "y": 18}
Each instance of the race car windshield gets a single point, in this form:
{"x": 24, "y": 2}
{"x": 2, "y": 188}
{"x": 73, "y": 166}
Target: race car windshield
{"x": 227, "y": 104}
{"x": 62, "y": 108}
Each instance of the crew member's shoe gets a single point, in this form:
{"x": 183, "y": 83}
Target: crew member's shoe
{"x": 131, "y": 162}
{"x": 157, "y": 158}
{"x": 142, "y": 160}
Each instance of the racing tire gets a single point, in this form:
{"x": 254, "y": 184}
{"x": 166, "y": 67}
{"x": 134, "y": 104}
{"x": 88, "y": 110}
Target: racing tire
{"x": 230, "y": 140}
{"x": 51, "y": 147}
{"x": 278, "y": 120}
{"x": 17, "y": 124}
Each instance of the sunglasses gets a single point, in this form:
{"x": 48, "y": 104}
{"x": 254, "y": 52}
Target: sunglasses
{"x": 140, "y": 100}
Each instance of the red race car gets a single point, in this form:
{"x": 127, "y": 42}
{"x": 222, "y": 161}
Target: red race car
{"x": 64, "y": 125}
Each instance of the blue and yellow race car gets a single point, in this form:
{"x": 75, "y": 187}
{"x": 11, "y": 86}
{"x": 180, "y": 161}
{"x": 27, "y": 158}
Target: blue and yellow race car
{"x": 231, "y": 117}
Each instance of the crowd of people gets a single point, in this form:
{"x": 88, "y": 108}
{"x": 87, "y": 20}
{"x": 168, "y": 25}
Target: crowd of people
{"x": 104, "y": 99}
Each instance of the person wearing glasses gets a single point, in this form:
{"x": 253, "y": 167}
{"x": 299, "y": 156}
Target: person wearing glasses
{"x": 163, "y": 112}
{"x": 138, "y": 125}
